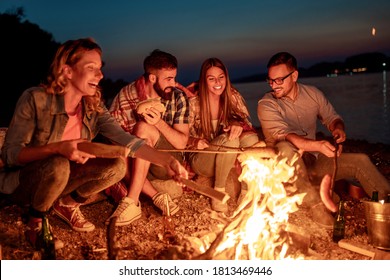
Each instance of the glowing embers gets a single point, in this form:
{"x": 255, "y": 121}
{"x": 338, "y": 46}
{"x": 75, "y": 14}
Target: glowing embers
{"x": 257, "y": 229}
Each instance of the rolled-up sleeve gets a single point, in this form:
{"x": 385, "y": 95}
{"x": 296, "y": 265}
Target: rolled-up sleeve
{"x": 327, "y": 112}
{"x": 111, "y": 129}
{"x": 273, "y": 125}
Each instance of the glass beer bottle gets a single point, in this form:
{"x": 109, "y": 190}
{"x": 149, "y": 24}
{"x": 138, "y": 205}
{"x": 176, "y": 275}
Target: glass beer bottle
{"x": 339, "y": 223}
{"x": 375, "y": 196}
{"x": 47, "y": 241}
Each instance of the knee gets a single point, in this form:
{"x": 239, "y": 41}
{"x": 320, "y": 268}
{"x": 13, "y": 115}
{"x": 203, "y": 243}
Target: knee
{"x": 145, "y": 131}
{"x": 57, "y": 170}
{"x": 248, "y": 139}
{"x": 361, "y": 159}
{"x": 286, "y": 149}
{"x": 224, "y": 140}
{"x": 233, "y": 143}
{"x": 116, "y": 168}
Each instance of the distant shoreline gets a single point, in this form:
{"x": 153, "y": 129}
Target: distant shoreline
{"x": 372, "y": 62}
{"x": 262, "y": 77}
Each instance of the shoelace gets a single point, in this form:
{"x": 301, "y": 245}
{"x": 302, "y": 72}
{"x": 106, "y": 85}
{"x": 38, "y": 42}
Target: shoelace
{"x": 77, "y": 215}
{"x": 121, "y": 208}
{"x": 161, "y": 201}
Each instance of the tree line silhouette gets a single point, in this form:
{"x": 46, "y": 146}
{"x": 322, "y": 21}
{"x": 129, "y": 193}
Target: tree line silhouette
{"x": 26, "y": 52}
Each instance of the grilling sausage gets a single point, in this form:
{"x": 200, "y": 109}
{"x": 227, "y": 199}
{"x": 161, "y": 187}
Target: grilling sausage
{"x": 326, "y": 193}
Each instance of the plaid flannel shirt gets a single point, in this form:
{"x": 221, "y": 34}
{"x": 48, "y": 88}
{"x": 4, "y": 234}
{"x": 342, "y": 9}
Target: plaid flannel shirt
{"x": 123, "y": 107}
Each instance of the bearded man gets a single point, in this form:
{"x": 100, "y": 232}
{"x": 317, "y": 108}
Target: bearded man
{"x": 138, "y": 108}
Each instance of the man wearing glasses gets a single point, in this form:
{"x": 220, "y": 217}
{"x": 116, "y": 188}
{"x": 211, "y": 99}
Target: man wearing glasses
{"x": 288, "y": 115}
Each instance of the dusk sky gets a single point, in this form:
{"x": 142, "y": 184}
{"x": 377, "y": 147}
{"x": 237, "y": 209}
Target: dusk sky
{"x": 244, "y": 34}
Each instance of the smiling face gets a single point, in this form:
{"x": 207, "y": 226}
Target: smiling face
{"x": 86, "y": 74}
{"x": 287, "y": 88}
{"x": 216, "y": 80}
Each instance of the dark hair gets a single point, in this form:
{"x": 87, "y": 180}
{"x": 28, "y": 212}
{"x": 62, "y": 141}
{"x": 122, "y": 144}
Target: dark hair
{"x": 158, "y": 60}
{"x": 283, "y": 58}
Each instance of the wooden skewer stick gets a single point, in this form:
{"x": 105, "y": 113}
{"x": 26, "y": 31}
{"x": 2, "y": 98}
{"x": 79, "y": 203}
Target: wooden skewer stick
{"x": 263, "y": 151}
{"x": 103, "y": 150}
{"x": 334, "y": 166}
{"x": 207, "y": 191}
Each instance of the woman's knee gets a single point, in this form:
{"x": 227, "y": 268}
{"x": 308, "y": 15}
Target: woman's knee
{"x": 49, "y": 181}
{"x": 56, "y": 169}
{"x": 248, "y": 139}
{"x": 223, "y": 140}
{"x": 116, "y": 167}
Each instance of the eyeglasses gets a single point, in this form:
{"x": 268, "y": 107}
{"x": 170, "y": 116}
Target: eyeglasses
{"x": 278, "y": 81}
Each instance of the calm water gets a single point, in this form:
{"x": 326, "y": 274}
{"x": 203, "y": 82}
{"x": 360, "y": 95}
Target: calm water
{"x": 362, "y": 100}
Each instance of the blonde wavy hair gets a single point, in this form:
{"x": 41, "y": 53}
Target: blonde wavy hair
{"x": 70, "y": 53}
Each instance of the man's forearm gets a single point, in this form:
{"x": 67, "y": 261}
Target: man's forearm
{"x": 337, "y": 124}
{"x": 302, "y": 143}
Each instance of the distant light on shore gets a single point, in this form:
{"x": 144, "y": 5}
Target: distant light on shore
{"x": 373, "y": 32}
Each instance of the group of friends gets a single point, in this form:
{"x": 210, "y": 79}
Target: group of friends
{"x": 45, "y": 169}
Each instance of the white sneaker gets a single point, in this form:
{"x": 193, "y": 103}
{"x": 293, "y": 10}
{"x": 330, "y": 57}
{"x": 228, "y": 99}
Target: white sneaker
{"x": 160, "y": 199}
{"x": 126, "y": 212}
{"x": 219, "y": 206}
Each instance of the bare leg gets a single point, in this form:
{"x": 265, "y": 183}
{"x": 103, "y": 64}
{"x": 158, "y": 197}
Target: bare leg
{"x": 140, "y": 167}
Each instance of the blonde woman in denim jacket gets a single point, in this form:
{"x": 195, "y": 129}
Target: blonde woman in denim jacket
{"x": 43, "y": 166}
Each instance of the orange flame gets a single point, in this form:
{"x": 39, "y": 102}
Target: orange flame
{"x": 257, "y": 229}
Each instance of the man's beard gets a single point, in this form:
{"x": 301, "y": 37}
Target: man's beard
{"x": 163, "y": 93}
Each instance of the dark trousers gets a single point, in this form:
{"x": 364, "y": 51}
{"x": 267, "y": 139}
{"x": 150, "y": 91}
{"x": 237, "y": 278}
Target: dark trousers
{"x": 43, "y": 181}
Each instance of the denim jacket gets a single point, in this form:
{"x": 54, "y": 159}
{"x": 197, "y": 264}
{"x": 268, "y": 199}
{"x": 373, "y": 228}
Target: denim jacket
{"x": 40, "y": 119}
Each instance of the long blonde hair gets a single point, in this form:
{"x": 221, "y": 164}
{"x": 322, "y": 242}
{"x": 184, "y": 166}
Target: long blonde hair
{"x": 70, "y": 53}
{"x": 228, "y": 111}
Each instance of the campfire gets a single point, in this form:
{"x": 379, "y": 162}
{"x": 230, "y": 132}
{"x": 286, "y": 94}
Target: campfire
{"x": 258, "y": 227}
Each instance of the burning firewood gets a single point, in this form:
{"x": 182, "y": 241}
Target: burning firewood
{"x": 258, "y": 228}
